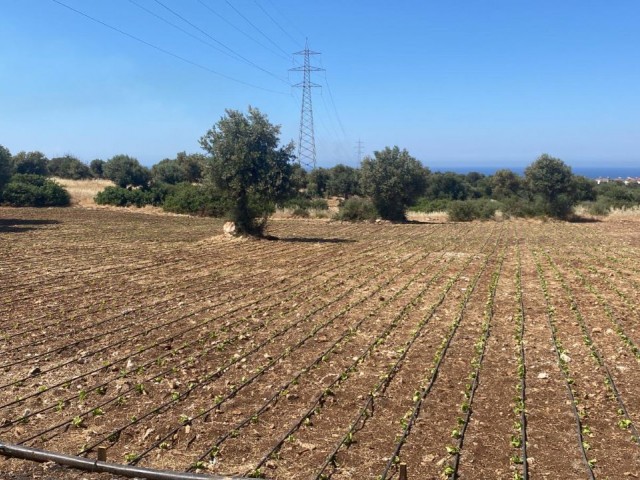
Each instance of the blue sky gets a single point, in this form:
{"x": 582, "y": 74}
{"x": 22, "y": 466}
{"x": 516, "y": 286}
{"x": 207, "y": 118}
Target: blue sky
{"x": 464, "y": 84}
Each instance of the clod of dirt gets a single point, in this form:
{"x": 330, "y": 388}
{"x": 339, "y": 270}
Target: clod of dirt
{"x": 34, "y": 371}
{"x": 565, "y": 358}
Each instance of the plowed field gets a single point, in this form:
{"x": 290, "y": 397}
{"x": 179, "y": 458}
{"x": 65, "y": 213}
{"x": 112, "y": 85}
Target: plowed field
{"x": 481, "y": 350}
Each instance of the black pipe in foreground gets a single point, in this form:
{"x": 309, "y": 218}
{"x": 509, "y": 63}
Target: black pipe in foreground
{"x": 81, "y": 463}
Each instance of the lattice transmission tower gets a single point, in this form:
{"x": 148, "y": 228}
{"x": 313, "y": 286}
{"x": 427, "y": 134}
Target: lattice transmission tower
{"x": 306, "y": 140}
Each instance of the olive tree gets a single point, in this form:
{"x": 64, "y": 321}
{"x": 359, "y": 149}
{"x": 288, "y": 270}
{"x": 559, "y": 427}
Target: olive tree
{"x": 394, "y": 180}
{"x": 31, "y": 163}
{"x": 249, "y": 167}
{"x": 550, "y": 181}
{"x": 5, "y": 166}
{"x": 126, "y": 171}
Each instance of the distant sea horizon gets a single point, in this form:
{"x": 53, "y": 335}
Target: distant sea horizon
{"x": 589, "y": 172}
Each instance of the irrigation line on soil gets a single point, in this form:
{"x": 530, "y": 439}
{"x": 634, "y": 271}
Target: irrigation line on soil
{"x": 201, "y": 288}
{"x": 476, "y": 363}
{"x": 440, "y": 356}
{"x": 157, "y": 360}
{"x": 261, "y": 371}
{"x": 522, "y": 368}
{"x": 216, "y": 375}
{"x": 80, "y": 463}
{"x": 550, "y": 313}
{"x": 318, "y": 402}
{"x": 367, "y": 410}
{"x": 618, "y": 328}
{"x": 350, "y": 333}
{"x": 132, "y": 388}
{"x": 157, "y": 342}
{"x": 595, "y": 354}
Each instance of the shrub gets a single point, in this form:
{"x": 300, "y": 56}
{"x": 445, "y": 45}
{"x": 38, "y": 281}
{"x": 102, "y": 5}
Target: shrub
{"x": 191, "y": 199}
{"x": 27, "y": 190}
{"x": 306, "y": 203}
{"x": 318, "y": 204}
{"x": 461, "y": 211}
{"x": 122, "y": 197}
{"x": 300, "y": 213}
{"x": 519, "y": 207}
{"x": 427, "y": 205}
{"x": 467, "y": 210}
{"x": 357, "y": 209}
{"x": 601, "y": 207}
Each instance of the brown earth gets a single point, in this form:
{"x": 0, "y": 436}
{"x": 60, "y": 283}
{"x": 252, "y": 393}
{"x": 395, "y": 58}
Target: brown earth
{"x": 313, "y": 354}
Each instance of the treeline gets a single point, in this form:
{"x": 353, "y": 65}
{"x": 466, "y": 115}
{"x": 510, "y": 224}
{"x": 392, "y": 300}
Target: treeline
{"x": 386, "y": 185}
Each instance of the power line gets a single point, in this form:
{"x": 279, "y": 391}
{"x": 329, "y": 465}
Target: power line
{"x": 162, "y": 50}
{"x": 254, "y": 26}
{"x": 178, "y": 27}
{"x": 275, "y": 7}
{"x": 275, "y": 21}
{"x": 286, "y": 57}
{"x": 326, "y": 81}
{"x": 246, "y": 60}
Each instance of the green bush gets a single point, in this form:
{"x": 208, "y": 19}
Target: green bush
{"x": 304, "y": 202}
{"x": 523, "y": 208}
{"x": 427, "y": 205}
{"x": 123, "y": 197}
{"x": 28, "y": 190}
{"x": 300, "y": 213}
{"x": 191, "y": 199}
{"x": 318, "y": 204}
{"x": 357, "y": 209}
{"x": 467, "y": 210}
{"x": 601, "y": 207}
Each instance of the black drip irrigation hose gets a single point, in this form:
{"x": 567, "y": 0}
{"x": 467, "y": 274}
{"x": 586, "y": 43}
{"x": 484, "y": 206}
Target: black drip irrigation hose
{"x": 441, "y": 353}
{"x": 523, "y": 375}
{"x": 86, "y": 464}
{"x": 572, "y": 398}
{"x": 477, "y": 368}
{"x": 595, "y": 353}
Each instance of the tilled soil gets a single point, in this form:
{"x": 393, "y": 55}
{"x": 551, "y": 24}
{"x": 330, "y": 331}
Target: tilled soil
{"x": 330, "y": 350}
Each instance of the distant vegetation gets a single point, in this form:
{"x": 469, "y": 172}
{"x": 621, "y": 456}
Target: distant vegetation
{"x": 246, "y": 175}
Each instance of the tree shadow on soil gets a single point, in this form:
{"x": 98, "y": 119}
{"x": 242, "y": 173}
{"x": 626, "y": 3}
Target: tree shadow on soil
{"x": 584, "y": 220}
{"x": 19, "y": 225}
{"x": 308, "y": 239}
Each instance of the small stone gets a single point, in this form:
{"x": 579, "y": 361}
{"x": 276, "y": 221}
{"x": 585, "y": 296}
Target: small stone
{"x": 565, "y": 358}
{"x": 429, "y": 458}
{"x": 596, "y": 330}
{"x": 230, "y": 229}
{"x": 543, "y": 375}
{"x": 34, "y": 371}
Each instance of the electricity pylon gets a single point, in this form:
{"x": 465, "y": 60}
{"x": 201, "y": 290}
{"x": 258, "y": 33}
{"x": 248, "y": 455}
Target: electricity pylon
{"x": 306, "y": 140}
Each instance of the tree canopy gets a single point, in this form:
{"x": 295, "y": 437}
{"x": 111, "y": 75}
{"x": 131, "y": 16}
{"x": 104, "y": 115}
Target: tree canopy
{"x": 126, "y": 171}
{"x": 69, "y": 166}
{"x": 551, "y": 181}
{"x": 248, "y": 166}
{"x": 31, "y": 163}
{"x": 394, "y": 180}
{"x": 5, "y": 166}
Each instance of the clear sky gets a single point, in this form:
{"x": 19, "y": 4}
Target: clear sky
{"x": 462, "y": 84}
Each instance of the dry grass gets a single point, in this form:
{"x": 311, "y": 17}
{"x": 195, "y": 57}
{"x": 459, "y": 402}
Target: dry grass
{"x": 429, "y": 217}
{"x": 626, "y": 213}
{"x": 83, "y": 191}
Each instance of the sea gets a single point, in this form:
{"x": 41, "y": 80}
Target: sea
{"x": 589, "y": 172}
